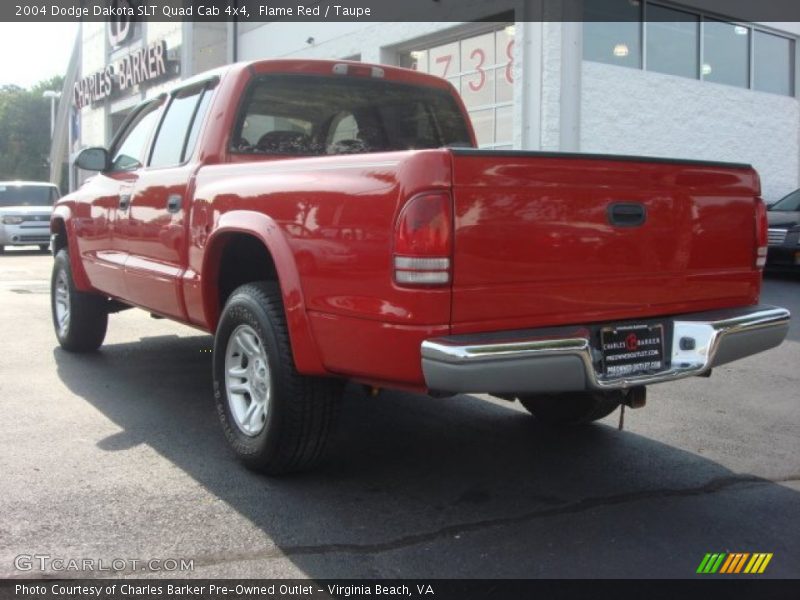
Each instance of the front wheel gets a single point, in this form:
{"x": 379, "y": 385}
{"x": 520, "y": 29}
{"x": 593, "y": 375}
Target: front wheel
{"x": 572, "y": 408}
{"x": 80, "y": 319}
{"x": 275, "y": 419}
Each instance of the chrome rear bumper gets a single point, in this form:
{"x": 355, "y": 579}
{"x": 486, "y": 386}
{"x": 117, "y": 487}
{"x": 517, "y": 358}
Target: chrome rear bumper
{"x": 564, "y": 359}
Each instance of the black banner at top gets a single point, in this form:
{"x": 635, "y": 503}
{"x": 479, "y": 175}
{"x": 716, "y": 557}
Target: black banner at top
{"x": 245, "y": 11}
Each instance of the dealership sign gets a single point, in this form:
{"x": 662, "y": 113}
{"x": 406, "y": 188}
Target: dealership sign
{"x": 140, "y": 66}
{"x": 120, "y": 27}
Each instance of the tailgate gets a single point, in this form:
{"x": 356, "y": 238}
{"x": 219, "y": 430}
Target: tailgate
{"x": 548, "y": 239}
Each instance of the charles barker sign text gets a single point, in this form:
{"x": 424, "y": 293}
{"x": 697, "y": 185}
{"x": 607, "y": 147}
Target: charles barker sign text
{"x": 140, "y": 66}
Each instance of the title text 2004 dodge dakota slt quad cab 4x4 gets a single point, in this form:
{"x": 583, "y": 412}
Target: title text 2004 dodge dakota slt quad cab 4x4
{"x": 334, "y": 220}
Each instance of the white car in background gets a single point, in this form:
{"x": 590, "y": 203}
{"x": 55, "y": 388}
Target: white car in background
{"x": 25, "y": 208}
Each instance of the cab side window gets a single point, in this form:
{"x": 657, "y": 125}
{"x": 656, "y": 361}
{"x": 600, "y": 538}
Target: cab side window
{"x": 177, "y": 133}
{"x": 129, "y": 152}
{"x": 197, "y": 123}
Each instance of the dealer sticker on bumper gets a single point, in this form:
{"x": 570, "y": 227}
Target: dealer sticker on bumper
{"x": 632, "y": 349}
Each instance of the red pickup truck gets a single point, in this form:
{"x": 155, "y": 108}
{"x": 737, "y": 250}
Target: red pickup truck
{"x": 332, "y": 221}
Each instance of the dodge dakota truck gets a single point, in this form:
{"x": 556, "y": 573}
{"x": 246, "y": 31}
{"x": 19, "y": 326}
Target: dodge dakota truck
{"x": 331, "y": 221}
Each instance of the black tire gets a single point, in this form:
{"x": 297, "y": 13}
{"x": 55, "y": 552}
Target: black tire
{"x": 573, "y": 408}
{"x": 88, "y": 317}
{"x": 2, "y": 249}
{"x": 44, "y": 247}
{"x": 301, "y": 411}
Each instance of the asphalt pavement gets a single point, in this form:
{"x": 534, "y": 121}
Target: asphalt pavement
{"x": 118, "y": 455}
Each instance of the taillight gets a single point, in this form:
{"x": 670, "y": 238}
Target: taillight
{"x": 423, "y": 241}
{"x": 761, "y": 234}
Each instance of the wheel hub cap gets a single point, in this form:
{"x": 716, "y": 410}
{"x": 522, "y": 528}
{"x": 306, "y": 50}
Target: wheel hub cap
{"x": 62, "y": 303}
{"x": 247, "y": 380}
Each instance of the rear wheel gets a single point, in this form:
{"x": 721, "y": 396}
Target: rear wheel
{"x": 80, "y": 319}
{"x": 44, "y": 247}
{"x": 275, "y": 419}
{"x": 2, "y": 249}
{"x": 572, "y": 408}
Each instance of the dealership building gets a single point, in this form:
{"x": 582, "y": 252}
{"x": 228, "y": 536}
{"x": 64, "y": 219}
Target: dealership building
{"x": 684, "y": 82}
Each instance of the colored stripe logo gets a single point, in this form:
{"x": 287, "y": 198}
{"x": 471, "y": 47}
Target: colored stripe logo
{"x": 734, "y": 562}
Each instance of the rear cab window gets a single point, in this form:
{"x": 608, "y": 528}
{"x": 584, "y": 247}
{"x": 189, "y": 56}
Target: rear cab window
{"x": 314, "y": 115}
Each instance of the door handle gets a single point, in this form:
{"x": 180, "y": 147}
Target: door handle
{"x": 627, "y": 214}
{"x": 124, "y": 201}
{"x": 173, "y": 203}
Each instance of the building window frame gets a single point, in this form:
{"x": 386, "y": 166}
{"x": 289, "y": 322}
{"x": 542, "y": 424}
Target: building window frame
{"x": 705, "y": 17}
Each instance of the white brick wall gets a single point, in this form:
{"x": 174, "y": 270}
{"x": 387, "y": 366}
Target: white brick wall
{"x": 551, "y": 87}
{"x": 209, "y": 45}
{"x": 627, "y": 111}
{"x": 172, "y": 33}
{"x": 93, "y": 59}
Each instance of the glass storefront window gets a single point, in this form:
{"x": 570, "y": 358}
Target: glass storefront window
{"x": 673, "y": 41}
{"x": 726, "y": 53}
{"x": 612, "y": 33}
{"x": 773, "y": 66}
{"x": 688, "y": 44}
{"x": 480, "y": 67}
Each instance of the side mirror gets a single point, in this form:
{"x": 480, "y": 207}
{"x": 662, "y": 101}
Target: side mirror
{"x": 93, "y": 159}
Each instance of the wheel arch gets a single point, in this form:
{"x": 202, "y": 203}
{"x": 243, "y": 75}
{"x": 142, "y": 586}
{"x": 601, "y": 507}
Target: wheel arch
{"x": 246, "y": 233}
{"x": 61, "y": 226}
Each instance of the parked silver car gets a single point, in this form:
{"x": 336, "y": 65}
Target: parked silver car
{"x": 25, "y": 208}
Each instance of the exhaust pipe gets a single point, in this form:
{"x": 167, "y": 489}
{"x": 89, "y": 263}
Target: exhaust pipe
{"x": 635, "y": 397}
